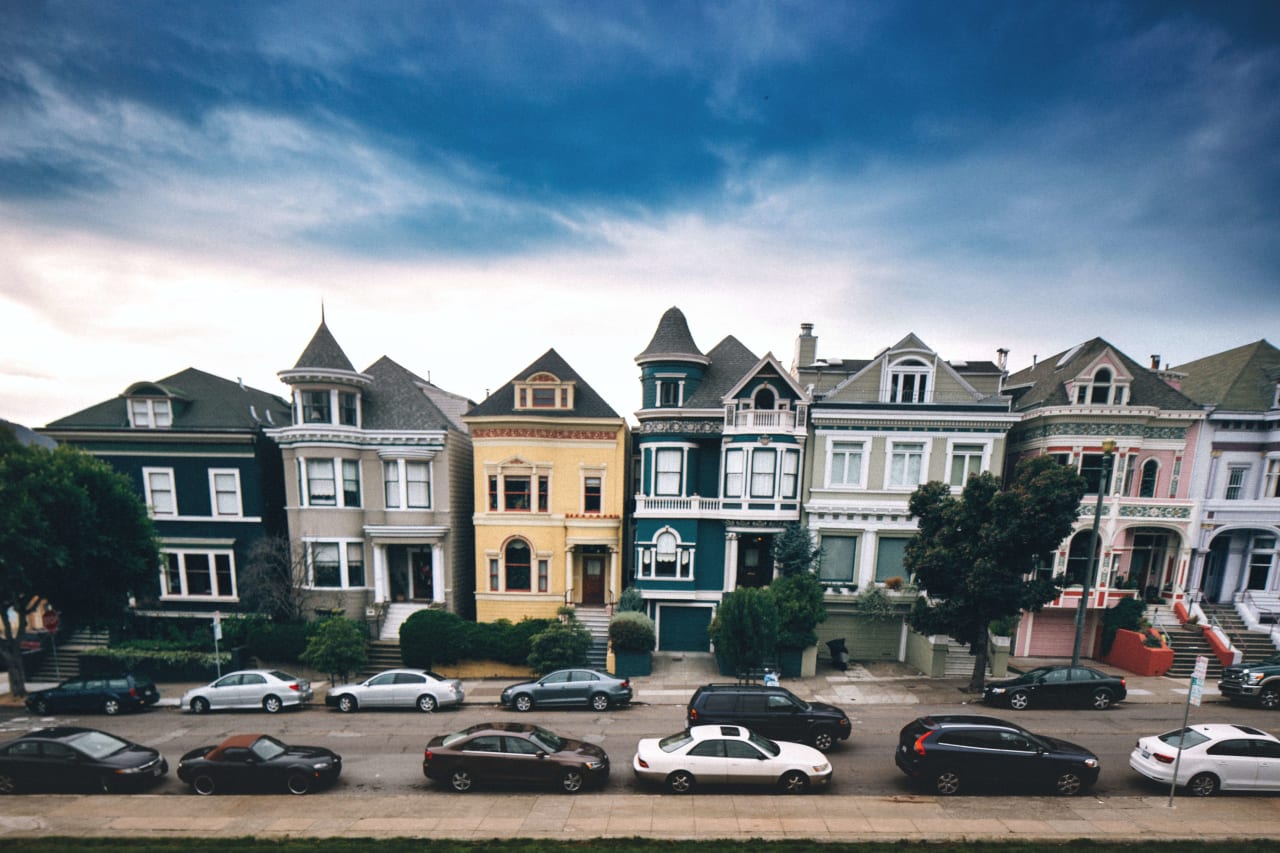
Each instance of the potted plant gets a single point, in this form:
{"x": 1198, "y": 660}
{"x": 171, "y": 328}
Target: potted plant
{"x": 632, "y": 637}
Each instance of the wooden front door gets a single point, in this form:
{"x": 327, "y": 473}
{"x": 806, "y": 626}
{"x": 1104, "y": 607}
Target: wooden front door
{"x": 421, "y": 575}
{"x": 593, "y": 579}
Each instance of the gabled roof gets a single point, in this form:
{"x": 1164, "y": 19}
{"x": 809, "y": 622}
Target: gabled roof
{"x": 768, "y": 361}
{"x": 202, "y": 401}
{"x": 672, "y": 341}
{"x": 323, "y": 352}
{"x": 586, "y": 402}
{"x": 910, "y": 342}
{"x": 399, "y": 399}
{"x": 1238, "y": 380}
{"x": 1044, "y": 384}
{"x": 729, "y": 362}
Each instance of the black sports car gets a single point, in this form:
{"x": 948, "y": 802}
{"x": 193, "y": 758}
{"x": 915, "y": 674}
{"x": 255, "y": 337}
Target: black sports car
{"x": 71, "y": 758}
{"x": 258, "y": 763}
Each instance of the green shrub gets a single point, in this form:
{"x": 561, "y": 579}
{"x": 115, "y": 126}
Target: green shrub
{"x": 745, "y": 628}
{"x": 632, "y": 633}
{"x": 337, "y": 647}
{"x": 431, "y": 637}
{"x": 172, "y": 664}
{"x": 798, "y": 597}
{"x": 631, "y": 601}
{"x": 1127, "y": 613}
{"x": 560, "y": 645}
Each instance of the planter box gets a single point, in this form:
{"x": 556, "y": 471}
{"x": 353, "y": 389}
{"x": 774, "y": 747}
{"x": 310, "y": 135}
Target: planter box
{"x": 631, "y": 664}
{"x": 798, "y": 663}
{"x": 1129, "y": 652}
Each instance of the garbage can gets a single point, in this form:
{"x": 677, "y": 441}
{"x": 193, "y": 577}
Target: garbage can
{"x": 839, "y": 653}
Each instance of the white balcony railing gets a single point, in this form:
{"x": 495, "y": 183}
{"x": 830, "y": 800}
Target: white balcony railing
{"x": 691, "y": 505}
{"x": 766, "y": 420}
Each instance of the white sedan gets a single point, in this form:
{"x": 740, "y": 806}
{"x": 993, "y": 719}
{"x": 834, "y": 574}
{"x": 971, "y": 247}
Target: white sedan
{"x": 268, "y": 689}
{"x": 729, "y": 755}
{"x": 397, "y": 688}
{"x": 1215, "y": 757}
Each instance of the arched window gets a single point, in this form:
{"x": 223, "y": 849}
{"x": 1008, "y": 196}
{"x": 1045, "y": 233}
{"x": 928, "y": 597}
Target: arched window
{"x": 518, "y": 560}
{"x": 908, "y": 382}
{"x": 765, "y": 399}
{"x": 1079, "y": 561}
{"x": 1101, "y": 393}
{"x": 1147, "y": 485}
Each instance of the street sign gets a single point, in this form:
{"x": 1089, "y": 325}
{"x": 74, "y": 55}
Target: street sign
{"x": 50, "y": 620}
{"x": 1202, "y": 668}
{"x": 1197, "y": 689}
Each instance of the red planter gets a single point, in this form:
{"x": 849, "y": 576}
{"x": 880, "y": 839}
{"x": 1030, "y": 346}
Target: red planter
{"x": 1130, "y": 653}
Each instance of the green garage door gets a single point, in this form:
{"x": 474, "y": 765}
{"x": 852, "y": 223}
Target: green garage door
{"x": 683, "y": 629}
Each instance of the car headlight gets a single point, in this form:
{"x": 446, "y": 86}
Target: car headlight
{"x": 594, "y": 765}
{"x": 322, "y": 765}
{"x": 821, "y": 768}
{"x": 1253, "y": 677}
{"x": 995, "y": 691}
{"x": 1091, "y": 763}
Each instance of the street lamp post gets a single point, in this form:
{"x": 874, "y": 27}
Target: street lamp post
{"x": 1095, "y": 553}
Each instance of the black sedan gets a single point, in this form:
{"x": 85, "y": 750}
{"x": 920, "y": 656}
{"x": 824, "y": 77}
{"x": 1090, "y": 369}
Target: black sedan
{"x": 258, "y": 763}
{"x": 515, "y": 754}
{"x": 1077, "y": 686}
{"x": 109, "y": 696}
{"x": 70, "y": 758}
{"x": 566, "y": 688}
{"x": 953, "y": 753}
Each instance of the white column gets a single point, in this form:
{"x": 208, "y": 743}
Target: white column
{"x": 730, "y": 561}
{"x": 568, "y": 575}
{"x": 615, "y": 582}
{"x": 437, "y": 573}
{"x": 380, "y": 580}
{"x": 867, "y": 559}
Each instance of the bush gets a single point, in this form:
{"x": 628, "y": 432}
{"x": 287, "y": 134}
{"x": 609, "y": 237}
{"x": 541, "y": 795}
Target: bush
{"x": 336, "y": 647}
{"x": 632, "y": 633}
{"x": 745, "y": 628}
{"x": 430, "y": 637}
{"x": 1127, "y": 613}
{"x": 561, "y": 645}
{"x": 170, "y": 664}
{"x": 631, "y": 601}
{"x": 800, "y": 609}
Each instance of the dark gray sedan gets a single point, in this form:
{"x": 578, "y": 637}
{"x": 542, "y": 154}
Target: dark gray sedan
{"x": 564, "y": 688}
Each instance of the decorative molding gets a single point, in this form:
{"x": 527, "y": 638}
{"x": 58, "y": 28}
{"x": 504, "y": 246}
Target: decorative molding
{"x": 1176, "y": 512}
{"x": 699, "y": 427}
{"x": 478, "y": 433}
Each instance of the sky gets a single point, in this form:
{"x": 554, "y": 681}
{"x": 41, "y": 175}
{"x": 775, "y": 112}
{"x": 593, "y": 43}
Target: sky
{"x": 462, "y": 186}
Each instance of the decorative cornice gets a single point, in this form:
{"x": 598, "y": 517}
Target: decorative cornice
{"x": 1178, "y": 512}
{"x": 666, "y": 427}
{"x": 479, "y": 433}
{"x": 291, "y": 436}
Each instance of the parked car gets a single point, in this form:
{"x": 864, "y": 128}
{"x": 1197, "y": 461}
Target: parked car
{"x": 563, "y": 688}
{"x": 1057, "y": 686}
{"x": 111, "y": 696}
{"x": 71, "y": 758}
{"x": 729, "y": 755}
{"x": 774, "y": 712}
{"x": 952, "y": 753}
{"x": 255, "y": 762}
{"x": 1256, "y": 681}
{"x": 514, "y": 753}
{"x": 397, "y": 688}
{"x": 268, "y": 689}
{"x": 1215, "y": 757}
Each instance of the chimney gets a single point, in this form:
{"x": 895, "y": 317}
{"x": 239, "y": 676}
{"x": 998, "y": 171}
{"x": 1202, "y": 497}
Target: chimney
{"x": 806, "y": 349}
{"x": 1002, "y": 359}
{"x": 1155, "y": 362}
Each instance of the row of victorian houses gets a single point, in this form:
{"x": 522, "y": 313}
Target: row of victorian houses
{"x": 396, "y": 494}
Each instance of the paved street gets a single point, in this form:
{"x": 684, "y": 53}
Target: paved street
{"x": 382, "y": 792}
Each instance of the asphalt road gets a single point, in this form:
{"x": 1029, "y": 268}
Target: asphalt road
{"x": 382, "y": 750}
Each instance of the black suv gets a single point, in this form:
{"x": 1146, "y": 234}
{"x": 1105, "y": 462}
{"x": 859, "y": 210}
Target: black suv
{"x": 774, "y": 712}
{"x": 111, "y": 695}
{"x": 950, "y": 753}
{"x": 1258, "y": 681}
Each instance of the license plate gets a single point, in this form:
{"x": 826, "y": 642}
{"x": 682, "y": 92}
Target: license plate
{"x": 1146, "y": 754}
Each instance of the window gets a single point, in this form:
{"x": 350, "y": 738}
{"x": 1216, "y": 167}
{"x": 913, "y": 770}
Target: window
{"x": 670, "y": 393}
{"x": 733, "y": 473}
{"x": 418, "y": 484}
{"x": 1091, "y": 468}
{"x": 516, "y": 494}
{"x": 150, "y": 413}
{"x": 763, "y": 467}
{"x": 909, "y": 382}
{"x": 906, "y": 463}
{"x": 350, "y": 482}
{"x": 391, "y": 484}
{"x": 789, "y": 478}
{"x": 665, "y": 551}
{"x": 1271, "y": 487}
{"x": 1101, "y": 390}
{"x": 1235, "y": 481}
{"x": 336, "y": 565}
{"x": 493, "y": 575}
{"x": 159, "y": 488}
{"x": 493, "y": 493}
{"x": 845, "y": 465}
{"x": 839, "y": 559}
{"x": 198, "y": 574}
{"x": 321, "y": 489}
{"x": 544, "y": 574}
{"x": 544, "y": 391}
{"x": 889, "y": 554}
{"x": 544, "y": 484}
{"x": 966, "y": 460}
{"x": 1147, "y": 485}
{"x": 591, "y": 495}
{"x": 517, "y": 558}
{"x": 347, "y": 408}
{"x": 544, "y": 398}
{"x": 669, "y": 467}
{"x": 666, "y": 558}
{"x": 315, "y": 407}
{"x": 1174, "y": 477}
{"x": 355, "y": 564}
{"x": 224, "y": 486}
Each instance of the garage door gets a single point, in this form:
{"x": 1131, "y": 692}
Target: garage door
{"x": 1052, "y": 634}
{"x": 683, "y": 629}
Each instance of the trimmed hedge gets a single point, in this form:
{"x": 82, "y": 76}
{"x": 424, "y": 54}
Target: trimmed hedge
{"x": 632, "y": 633}
{"x": 160, "y": 665}
{"x": 431, "y": 637}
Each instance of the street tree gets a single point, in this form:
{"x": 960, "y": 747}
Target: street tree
{"x": 974, "y": 553}
{"x": 274, "y": 578}
{"x": 73, "y": 533}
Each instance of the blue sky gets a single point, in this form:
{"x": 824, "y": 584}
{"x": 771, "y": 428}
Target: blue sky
{"x": 464, "y": 185}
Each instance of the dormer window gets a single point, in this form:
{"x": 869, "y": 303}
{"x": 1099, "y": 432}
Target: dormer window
{"x": 319, "y": 405}
{"x": 544, "y": 391}
{"x": 908, "y": 382}
{"x": 1101, "y": 390}
{"x": 150, "y": 413}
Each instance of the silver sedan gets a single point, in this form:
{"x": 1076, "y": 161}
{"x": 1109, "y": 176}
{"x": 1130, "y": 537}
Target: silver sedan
{"x": 398, "y": 688}
{"x": 268, "y": 689}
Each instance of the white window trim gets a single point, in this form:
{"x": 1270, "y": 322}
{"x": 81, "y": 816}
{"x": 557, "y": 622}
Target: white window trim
{"x": 154, "y": 404}
{"x": 983, "y": 465}
{"x": 211, "y": 553}
{"x": 402, "y": 486}
{"x": 831, "y": 442}
{"x": 667, "y": 379}
{"x": 335, "y": 413}
{"x": 890, "y": 446}
{"x": 683, "y": 472}
{"x": 740, "y": 452}
{"x": 891, "y": 373}
{"x": 1270, "y": 478}
{"x": 173, "y": 490}
{"x": 339, "y": 490}
{"x": 647, "y": 558}
{"x": 1117, "y": 393}
{"x": 343, "y": 563}
{"x": 1245, "y": 470}
{"x": 586, "y": 472}
{"x": 213, "y": 493}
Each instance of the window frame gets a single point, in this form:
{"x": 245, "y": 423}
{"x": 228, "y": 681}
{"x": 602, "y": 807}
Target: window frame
{"x": 343, "y": 566}
{"x": 1236, "y": 485}
{"x": 824, "y": 564}
{"x": 958, "y": 450}
{"x": 757, "y": 475}
{"x": 1147, "y": 485}
{"x": 214, "y": 508}
{"x": 683, "y": 557}
{"x": 1271, "y": 478}
{"x": 894, "y": 447}
{"x": 149, "y": 491}
{"x": 592, "y": 497}
{"x": 156, "y": 412}
{"x": 838, "y": 448}
{"x": 214, "y": 556}
{"x": 734, "y": 478}
{"x": 338, "y": 470}
{"x": 677, "y": 453}
{"x": 913, "y": 368}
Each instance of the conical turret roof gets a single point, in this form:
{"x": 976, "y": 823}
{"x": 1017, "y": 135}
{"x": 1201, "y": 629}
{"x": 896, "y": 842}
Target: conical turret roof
{"x": 672, "y": 341}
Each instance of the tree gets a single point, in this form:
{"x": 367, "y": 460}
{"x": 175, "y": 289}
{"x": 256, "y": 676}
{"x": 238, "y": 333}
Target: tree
{"x": 794, "y": 552}
{"x": 972, "y": 553}
{"x": 273, "y": 578}
{"x": 337, "y": 647}
{"x": 745, "y": 628}
{"x": 797, "y": 592}
{"x": 74, "y": 533}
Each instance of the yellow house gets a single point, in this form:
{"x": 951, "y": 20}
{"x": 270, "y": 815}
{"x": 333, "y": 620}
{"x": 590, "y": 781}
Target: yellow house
{"x": 550, "y": 470}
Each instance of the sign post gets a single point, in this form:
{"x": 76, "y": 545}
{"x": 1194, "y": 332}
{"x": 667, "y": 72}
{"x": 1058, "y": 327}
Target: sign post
{"x": 217, "y": 635}
{"x": 1193, "y": 698}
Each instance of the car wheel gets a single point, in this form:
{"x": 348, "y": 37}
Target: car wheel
{"x": 426, "y": 703}
{"x": 8, "y": 784}
{"x": 347, "y": 703}
{"x": 199, "y": 705}
{"x": 1019, "y": 700}
{"x": 1203, "y": 785}
{"x": 461, "y": 781}
{"x": 1068, "y": 784}
{"x": 299, "y": 783}
{"x": 41, "y": 707}
{"x": 1101, "y": 700}
{"x": 203, "y": 785}
{"x": 571, "y": 781}
{"x": 523, "y": 702}
{"x": 947, "y": 782}
{"x": 793, "y": 782}
{"x": 1269, "y": 698}
{"x": 599, "y": 702}
{"x": 680, "y": 782}
{"x": 272, "y": 704}
{"x": 823, "y": 740}
{"x": 111, "y": 707}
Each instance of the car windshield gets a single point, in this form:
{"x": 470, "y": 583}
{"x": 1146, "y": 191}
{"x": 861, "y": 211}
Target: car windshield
{"x": 671, "y": 743}
{"x": 766, "y": 746}
{"x": 450, "y": 740}
{"x": 805, "y": 706}
{"x": 545, "y": 739}
{"x": 267, "y": 748}
{"x": 97, "y": 744}
{"x": 1183, "y": 738}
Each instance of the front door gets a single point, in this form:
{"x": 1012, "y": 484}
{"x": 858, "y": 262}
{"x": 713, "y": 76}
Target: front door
{"x": 421, "y": 575}
{"x": 592, "y": 579}
{"x": 755, "y": 560}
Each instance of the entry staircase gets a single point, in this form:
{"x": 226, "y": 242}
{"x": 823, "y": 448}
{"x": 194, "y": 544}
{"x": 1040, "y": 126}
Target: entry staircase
{"x": 64, "y": 661}
{"x": 596, "y": 620}
{"x": 1187, "y": 645}
{"x": 1253, "y": 644}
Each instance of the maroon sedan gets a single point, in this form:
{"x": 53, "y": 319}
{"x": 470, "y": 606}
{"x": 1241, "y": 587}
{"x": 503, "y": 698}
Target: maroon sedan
{"x": 515, "y": 754}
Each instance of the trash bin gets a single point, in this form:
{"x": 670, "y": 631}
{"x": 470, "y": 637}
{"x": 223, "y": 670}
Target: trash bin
{"x": 839, "y": 653}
